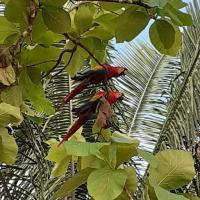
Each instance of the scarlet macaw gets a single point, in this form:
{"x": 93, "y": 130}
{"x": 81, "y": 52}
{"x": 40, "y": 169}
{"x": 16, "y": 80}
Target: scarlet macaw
{"x": 98, "y": 75}
{"x": 85, "y": 111}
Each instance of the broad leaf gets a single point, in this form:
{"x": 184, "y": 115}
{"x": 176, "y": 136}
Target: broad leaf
{"x": 163, "y": 194}
{"x": 59, "y": 156}
{"x": 16, "y": 11}
{"x": 157, "y": 3}
{"x": 77, "y": 61}
{"x": 131, "y": 181}
{"x": 165, "y": 37}
{"x": 57, "y": 3}
{"x": 56, "y": 19}
{"x": 9, "y": 114}
{"x": 106, "y": 184}
{"x": 177, "y": 3}
{"x": 7, "y": 29}
{"x": 130, "y": 24}
{"x": 77, "y": 148}
{"x": 92, "y": 162}
{"x": 111, "y": 6}
{"x": 12, "y": 95}
{"x": 174, "y": 169}
{"x": 98, "y": 32}
{"x": 39, "y": 57}
{"x": 108, "y": 154}
{"x": 8, "y": 147}
{"x": 149, "y": 157}
{"x": 107, "y": 21}
{"x": 84, "y": 17}
{"x": 34, "y": 93}
{"x": 179, "y": 18}
{"x": 73, "y": 183}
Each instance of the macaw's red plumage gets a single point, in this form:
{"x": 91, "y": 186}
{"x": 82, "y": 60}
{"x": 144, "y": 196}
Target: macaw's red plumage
{"x": 98, "y": 75}
{"x": 84, "y": 112}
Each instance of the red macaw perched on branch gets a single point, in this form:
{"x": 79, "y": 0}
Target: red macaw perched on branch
{"x": 99, "y": 75}
{"x": 85, "y": 111}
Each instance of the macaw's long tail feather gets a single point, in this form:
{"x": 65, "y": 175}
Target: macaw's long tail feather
{"x": 74, "y": 92}
{"x": 81, "y": 120}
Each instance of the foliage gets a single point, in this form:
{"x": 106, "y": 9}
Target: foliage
{"x": 28, "y": 57}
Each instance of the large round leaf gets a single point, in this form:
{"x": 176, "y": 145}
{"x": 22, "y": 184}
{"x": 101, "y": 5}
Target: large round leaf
{"x": 165, "y": 37}
{"x": 174, "y": 169}
{"x": 130, "y": 24}
{"x": 106, "y": 184}
{"x": 84, "y": 17}
{"x": 56, "y": 19}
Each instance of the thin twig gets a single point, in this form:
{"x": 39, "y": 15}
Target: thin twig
{"x": 39, "y": 63}
{"x": 58, "y": 61}
{"x": 83, "y": 47}
{"x": 70, "y": 58}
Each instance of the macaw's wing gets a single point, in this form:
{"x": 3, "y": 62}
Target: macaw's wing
{"x": 92, "y": 75}
{"x": 74, "y": 92}
{"x": 86, "y": 109}
{"x": 81, "y": 120}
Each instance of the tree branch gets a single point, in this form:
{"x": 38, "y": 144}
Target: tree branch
{"x": 70, "y": 58}
{"x": 138, "y": 3}
{"x": 83, "y": 47}
{"x": 58, "y": 61}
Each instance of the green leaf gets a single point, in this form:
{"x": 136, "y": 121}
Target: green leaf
{"x": 92, "y": 162}
{"x": 107, "y": 21}
{"x": 175, "y": 168}
{"x": 130, "y": 24}
{"x": 98, "y": 32}
{"x": 177, "y": 3}
{"x": 58, "y": 155}
{"x": 163, "y": 194}
{"x": 165, "y": 37}
{"x": 8, "y": 147}
{"x": 49, "y": 38}
{"x": 16, "y": 11}
{"x": 179, "y": 18}
{"x": 35, "y": 93}
{"x": 103, "y": 134}
{"x": 77, "y": 148}
{"x": 43, "y": 58}
{"x": 77, "y": 61}
{"x": 56, "y": 19}
{"x": 7, "y": 29}
{"x": 12, "y": 95}
{"x": 57, "y": 3}
{"x": 125, "y": 152}
{"x": 9, "y": 114}
{"x": 112, "y": 6}
{"x": 191, "y": 196}
{"x": 73, "y": 183}
{"x": 149, "y": 157}
{"x": 84, "y": 17}
{"x": 108, "y": 154}
{"x": 106, "y": 184}
{"x": 39, "y": 28}
{"x": 122, "y": 138}
{"x": 156, "y": 3}
{"x": 131, "y": 181}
